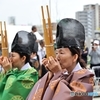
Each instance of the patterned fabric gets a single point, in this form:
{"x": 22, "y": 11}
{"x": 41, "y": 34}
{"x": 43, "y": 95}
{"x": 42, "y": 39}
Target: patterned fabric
{"x": 16, "y": 85}
{"x": 61, "y": 85}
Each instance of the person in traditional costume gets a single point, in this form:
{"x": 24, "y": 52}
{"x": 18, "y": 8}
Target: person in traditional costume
{"x": 18, "y": 77}
{"x": 67, "y": 78}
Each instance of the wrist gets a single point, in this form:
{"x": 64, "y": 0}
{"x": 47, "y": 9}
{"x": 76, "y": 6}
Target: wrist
{"x": 7, "y": 70}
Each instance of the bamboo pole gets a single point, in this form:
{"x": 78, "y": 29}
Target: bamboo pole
{"x": 4, "y": 40}
{"x": 5, "y": 31}
{"x": 49, "y": 26}
{"x": 48, "y": 36}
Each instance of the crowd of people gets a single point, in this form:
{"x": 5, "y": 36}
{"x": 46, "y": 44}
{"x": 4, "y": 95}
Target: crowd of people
{"x": 28, "y": 75}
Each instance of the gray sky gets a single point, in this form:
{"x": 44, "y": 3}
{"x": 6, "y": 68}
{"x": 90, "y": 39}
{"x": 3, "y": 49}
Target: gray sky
{"x": 29, "y": 11}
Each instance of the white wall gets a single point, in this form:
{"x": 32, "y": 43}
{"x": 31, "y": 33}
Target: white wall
{"x": 12, "y": 30}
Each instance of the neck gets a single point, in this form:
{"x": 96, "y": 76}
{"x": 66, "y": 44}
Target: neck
{"x": 21, "y": 66}
{"x": 70, "y": 69}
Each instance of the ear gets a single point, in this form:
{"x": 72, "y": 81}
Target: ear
{"x": 23, "y": 58}
{"x": 75, "y": 57}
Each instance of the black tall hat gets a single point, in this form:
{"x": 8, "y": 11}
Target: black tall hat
{"x": 35, "y": 47}
{"x": 70, "y": 33}
{"x": 22, "y": 43}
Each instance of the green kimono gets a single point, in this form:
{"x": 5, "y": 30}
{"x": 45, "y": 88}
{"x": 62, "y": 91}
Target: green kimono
{"x": 16, "y": 85}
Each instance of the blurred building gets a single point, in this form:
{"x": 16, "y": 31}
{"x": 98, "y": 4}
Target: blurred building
{"x": 11, "y": 20}
{"x": 97, "y": 34}
{"x": 90, "y": 18}
{"x": 40, "y": 28}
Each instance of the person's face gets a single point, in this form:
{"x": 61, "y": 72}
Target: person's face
{"x": 95, "y": 45}
{"x": 33, "y": 55}
{"x": 16, "y": 60}
{"x": 42, "y": 44}
{"x": 65, "y": 58}
{"x": 35, "y": 29}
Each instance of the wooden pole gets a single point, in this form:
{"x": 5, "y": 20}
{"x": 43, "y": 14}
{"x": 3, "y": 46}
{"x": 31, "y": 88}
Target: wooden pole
{"x": 48, "y": 36}
{"x": 4, "y": 40}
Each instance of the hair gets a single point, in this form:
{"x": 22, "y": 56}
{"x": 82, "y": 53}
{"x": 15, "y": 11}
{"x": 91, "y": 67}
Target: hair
{"x": 25, "y": 54}
{"x": 41, "y": 42}
{"x": 33, "y": 27}
{"x": 78, "y": 52}
{"x": 31, "y": 62}
{"x": 36, "y": 55}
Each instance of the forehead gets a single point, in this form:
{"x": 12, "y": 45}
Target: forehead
{"x": 14, "y": 53}
{"x": 63, "y": 49}
{"x": 96, "y": 44}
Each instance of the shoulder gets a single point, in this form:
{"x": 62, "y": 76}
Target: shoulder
{"x": 83, "y": 72}
{"x": 84, "y": 75}
{"x": 32, "y": 34}
{"x": 31, "y": 71}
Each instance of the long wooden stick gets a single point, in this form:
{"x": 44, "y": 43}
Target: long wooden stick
{"x": 49, "y": 26}
{"x": 48, "y": 37}
{"x": 4, "y": 40}
{"x": 5, "y": 31}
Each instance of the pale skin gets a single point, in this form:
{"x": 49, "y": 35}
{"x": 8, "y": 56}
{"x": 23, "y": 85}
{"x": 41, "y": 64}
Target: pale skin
{"x": 95, "y": 46}
{"x": 15, "y": 60}
{"x": 32, "y": 55}
{"x": 64, "y": 61}
{"x": 5, "y": 63}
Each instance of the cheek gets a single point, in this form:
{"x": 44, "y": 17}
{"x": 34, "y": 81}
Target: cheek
{"x": 66, "y": 61}
{"x": 15, "y": 60}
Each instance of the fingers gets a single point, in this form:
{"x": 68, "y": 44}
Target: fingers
{"x": 1, "y": 59}
{"x": 52, "y": 64}
{"x": 44, "y": 61}
{"x": 49, "y": 61}
{"x": 5, "y": 59}
{"x": 5, "y": 63}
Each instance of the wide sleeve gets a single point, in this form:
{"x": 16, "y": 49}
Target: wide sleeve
{"x": 78, "y": 86}
{"x": 16, "y": 85}
{"x": 1, "y": 76}
{"x": 73, "y": 87}
{"x": 64, "y": 87}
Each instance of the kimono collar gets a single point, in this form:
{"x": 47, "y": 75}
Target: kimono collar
{"x": 26, "y": 66}
{"x": 77, "y": 67}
